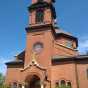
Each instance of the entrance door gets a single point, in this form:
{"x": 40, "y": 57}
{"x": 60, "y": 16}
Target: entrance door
{"x": 34, "y": 82}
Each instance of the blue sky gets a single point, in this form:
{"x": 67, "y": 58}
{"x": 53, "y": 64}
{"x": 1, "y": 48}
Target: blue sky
{"x": 72, "y": 16}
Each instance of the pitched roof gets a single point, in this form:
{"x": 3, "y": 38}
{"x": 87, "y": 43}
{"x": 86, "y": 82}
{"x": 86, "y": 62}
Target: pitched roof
{"x": 60, "y": 32}
{"x": 21, "y": 56}
{"x": 19, "y": 59}
{"x": 19, "y": 62}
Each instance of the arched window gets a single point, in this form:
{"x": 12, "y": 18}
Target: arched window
{"x": 57, "y": 85}
{"x": 9, "y": 85}
{"x": 20, "y": 86}
{"x": 63, "y": 84}
{"x": 39, "y": 15}
{"x": 14, "y": 85}
{"x": 69, "y": 84}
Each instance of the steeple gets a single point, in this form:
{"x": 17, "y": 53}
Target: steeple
{"x": 41, "y": 12}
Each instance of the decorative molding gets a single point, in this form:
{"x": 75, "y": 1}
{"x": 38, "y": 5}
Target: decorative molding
{"x": 39, "y": 27}
{"x": 33, "y": 63}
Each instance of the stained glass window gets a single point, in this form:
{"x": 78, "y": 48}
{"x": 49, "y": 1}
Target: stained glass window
{"x": 38, "y": 47}
{"x": 39, "y": 15}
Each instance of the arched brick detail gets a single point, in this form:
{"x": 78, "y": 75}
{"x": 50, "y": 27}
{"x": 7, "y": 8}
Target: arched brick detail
{"x": 30, "y": 75}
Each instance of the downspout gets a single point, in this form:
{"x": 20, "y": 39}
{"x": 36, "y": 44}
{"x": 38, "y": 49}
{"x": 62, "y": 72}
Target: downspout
{"x": 76, "y": 74}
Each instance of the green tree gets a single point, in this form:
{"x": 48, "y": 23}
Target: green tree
{"x": 2, "y": 79}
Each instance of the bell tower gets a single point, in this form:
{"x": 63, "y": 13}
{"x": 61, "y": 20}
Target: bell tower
{"x": 41, "y": 12}
{"x": 41, "y": 19}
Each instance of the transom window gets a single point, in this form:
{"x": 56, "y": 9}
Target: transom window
{"x": 39, "y": 15}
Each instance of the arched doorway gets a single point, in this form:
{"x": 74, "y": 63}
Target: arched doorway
{"x": 33, "y": 82}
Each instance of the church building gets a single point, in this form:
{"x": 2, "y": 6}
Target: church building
{"x": 51, "y": 58}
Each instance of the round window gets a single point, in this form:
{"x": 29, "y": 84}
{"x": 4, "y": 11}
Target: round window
{"x": 37, "y": 47}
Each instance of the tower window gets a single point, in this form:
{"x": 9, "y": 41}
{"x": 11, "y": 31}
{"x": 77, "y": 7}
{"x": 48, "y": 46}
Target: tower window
{"x": 39, "y": 15}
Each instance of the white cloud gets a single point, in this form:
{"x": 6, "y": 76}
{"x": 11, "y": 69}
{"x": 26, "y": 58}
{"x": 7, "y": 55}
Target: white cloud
{"x": 3, "y": 67}
{"x": 5, "y": 59}
{"x": 83, "y": 46}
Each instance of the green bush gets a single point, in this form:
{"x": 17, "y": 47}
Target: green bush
{"x": 63, "y": 86}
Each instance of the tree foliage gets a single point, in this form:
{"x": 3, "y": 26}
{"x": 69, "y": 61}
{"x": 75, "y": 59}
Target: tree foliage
{"x": 2, "y": 80}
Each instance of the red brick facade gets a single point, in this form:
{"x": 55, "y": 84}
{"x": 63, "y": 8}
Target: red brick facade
{"x": 50, "y": 56}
